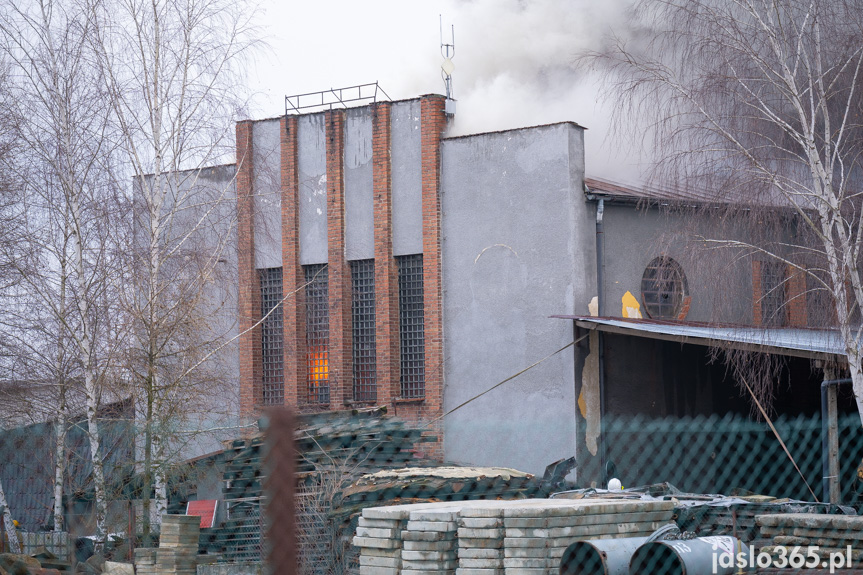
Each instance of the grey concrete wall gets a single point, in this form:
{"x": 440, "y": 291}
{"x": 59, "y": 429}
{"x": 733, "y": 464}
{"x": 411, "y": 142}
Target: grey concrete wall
{"x": 312, "y": 160}
{"x": 517, "y": 248}
{"x": 720, "y": 284}
{"x": 206, "y": 205}
{"x": 266, "y": 166}
{"x": 359, "y": 201}
{"x": 406, "y": 178}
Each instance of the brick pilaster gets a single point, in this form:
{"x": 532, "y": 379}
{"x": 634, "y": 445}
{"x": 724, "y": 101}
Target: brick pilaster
{"x": 340, "y": 372}
{"x": 295, "y": 368}
{"x": 757, "y": 293}
{"x": 432, "y": 125}
{"x": 249, "y": 292}
{"x": 386, "y": 274}
{"x": 795, "y": 294}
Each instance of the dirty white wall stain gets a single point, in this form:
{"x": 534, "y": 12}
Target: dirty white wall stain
{"x": 588, "y": 399}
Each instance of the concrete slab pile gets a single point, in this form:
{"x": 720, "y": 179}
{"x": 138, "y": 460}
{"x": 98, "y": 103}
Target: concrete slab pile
{"x": 178, "y": 548}
{"x": 526, "y": 537}
{"x": 429, "y": 542}
{"x": 379, "y": 538}
{"x": 832, "y": 534}
{"x": 480, "y": 541}
{"x": 537, "y": 534}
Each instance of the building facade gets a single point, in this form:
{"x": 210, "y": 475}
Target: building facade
{"x": 383, "y": 263}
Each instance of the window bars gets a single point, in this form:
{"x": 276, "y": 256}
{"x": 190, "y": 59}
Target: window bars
{"x": 663, "y": 288}
{"x": 272, "y": 338}
{"x": 363, "y": 329}
{"x": 411, "y": 331}
{"x": 317, "y": 333}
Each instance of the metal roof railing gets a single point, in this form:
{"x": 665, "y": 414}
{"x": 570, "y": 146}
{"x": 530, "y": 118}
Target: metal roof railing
{"x": 338, "y": 97}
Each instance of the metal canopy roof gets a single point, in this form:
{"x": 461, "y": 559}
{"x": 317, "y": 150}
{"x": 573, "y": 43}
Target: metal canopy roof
{"x": 799, "y": 342}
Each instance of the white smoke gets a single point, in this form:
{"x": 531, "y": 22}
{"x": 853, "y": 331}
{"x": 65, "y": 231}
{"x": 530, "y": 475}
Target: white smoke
{"x": 514, "y": 59}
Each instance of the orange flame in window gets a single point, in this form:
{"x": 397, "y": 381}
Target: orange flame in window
{"x": 318, "y": 364}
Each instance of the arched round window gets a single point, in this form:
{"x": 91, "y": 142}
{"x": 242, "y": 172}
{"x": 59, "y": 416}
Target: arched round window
{"x": 663, "y": 289}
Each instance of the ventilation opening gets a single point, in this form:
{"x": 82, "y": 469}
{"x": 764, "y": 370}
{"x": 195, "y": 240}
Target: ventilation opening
{"x": 663, "y": 288}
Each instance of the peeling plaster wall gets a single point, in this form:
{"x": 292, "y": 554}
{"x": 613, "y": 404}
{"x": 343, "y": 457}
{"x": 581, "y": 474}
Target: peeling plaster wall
{"x": 312, "y": 160}
{"x": 589, "y": 401}
{"x": 359, "y": 201}
{"x": 518, "y": 246}
{"x": 266, "y": 157}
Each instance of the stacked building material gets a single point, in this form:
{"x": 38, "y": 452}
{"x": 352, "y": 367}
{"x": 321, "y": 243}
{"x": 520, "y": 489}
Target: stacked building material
{"x": 429, "y": 545}
{"x": 737, "y": 519}
{"x": 424, "y": 484}
{"x": 480, "y": 541}
{"x": 178, "y": 545}
{"x": 832, "y": 534}
{"x": 343, "y": 445}
{"x": 378, "y": 538}
{"x": 526, "y": 537}
{"x": 541, "y": 530}
{"x": 145, "y": 561}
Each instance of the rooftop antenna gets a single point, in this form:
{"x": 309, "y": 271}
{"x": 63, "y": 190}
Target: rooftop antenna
{"x": 447, "y": 67}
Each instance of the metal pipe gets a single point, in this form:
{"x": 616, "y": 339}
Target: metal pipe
{"x": 600, "y": 343}
{"x": 600, "y": 556}
{"x": 825, "y": 436}
{"x": 719, "y": 555}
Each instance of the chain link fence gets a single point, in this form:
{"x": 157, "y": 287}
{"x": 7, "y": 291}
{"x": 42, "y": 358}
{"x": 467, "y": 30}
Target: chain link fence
{"x": 351, "y": 493}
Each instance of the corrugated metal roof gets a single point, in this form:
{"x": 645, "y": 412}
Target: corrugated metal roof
{"x": 679, "y": 194}
{"x": 801, "y": 342}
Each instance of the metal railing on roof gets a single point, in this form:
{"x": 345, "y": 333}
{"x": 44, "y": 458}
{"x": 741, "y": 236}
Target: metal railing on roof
{"x": 338, "y": 97}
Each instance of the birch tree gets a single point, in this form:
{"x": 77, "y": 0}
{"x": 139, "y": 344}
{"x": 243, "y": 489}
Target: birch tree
{"x": 758, "y": 102}
{"x": 69, "y": 208}
{"x": 172, "y": 72}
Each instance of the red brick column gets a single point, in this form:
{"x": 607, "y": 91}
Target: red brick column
{"x": 386, "y": 274}
{"x": 757, "y": 293}
{"x": 796, "y": 297}
{"x": 433, "y": 123}
{"x": 293, "y": 312}
{"x": 249, "y": 292}
{"x": 340, "y": 367}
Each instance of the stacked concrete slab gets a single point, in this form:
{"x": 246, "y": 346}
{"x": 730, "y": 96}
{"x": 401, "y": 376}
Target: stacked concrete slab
{"x": 178, "y": 548}
{"x": 832, "y": 534}
{"x": 538, "y": 532}
{"x": 429, "y": 544}
{"x": 379, "y": 537}
{"x": 480, "y": 541}
{"x": 526, "y": 537}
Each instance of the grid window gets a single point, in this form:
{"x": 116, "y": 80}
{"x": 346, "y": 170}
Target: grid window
{"x": 272, "y": 338}
{"x": 663, "y": 288}
{"x": 773, "y": 282}
{"x": 317, "y": 333}
{"x": 411, "y": 331}
{"x": 363, "y": 329}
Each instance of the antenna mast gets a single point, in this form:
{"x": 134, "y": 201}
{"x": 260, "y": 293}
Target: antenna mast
{"x": 447, "y": 67}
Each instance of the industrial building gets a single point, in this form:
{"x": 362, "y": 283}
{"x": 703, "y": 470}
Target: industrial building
{"x": 381, "y": 262}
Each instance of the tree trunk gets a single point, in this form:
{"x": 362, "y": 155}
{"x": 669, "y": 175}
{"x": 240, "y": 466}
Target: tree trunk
{"x": 11, "y": 534}
{"x": 59, "y": 464}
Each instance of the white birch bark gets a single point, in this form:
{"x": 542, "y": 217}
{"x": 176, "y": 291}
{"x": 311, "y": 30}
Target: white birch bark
{"x": 11, "y": 533}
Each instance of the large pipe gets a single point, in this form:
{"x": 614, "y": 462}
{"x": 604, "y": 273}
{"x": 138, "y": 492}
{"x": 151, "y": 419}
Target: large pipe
{"x": 700, "y": 556}
{"x": 600, "y": 556}
{"x": 826, "y": 476}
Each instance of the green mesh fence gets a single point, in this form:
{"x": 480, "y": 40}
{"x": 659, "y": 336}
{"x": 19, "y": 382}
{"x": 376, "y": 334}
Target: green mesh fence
{"x": 362, "y": 496}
